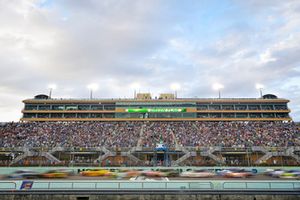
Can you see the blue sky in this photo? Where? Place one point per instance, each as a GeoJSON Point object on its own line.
{"type": "Point", "coordinates": [148, 45]}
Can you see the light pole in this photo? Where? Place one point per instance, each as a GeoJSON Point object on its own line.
{"type": "Point", "coordinates": [51, 87]}
{"type": "Point", "coordinates": [92, 87]}
{"type": "Point", "coordinates": [175, 87]}
{"type": "Point", "coordinates": [260, 87]}
{"type": "Point", "coordinates": [135, 86]}
{"type": "Point", "coordinates": [218, 87]}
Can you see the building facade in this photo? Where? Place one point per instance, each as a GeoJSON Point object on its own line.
{"type": "Point", "coordinates": [165, 108]}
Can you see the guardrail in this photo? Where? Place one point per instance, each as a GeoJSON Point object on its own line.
{"type": "Point", "coordinates": [36, 185]}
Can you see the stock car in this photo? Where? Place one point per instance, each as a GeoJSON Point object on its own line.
{"type": "Point", "coordinates": [127, 173]}
{"type": "Point", "coordinates": [235, 173]}
{"type": "Point", "coordinates": [97, 172]}
{"type": "Point", "coordinates": [151, 173]}
{"type": "Point", "coordinates": [294, 174]}
{"type": "Point", "coordinates": [275, 173]}
{"type": "Point", "coordinates": [23, 174]}
{"type": "Point", "coordinates": [57, 173]}
{"type": "Point", "coordinates": [170, 172]}
{"type": "Point", "coordinates": [197, 174]}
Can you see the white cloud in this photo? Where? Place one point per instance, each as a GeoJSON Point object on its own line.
{"type": "Point", "coordinates": [152, 43]}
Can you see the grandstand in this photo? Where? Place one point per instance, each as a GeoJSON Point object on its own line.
{"type": "Point", "coordinates": [166, 107]}
{"type": "Point", "coordinates": [125, 132]}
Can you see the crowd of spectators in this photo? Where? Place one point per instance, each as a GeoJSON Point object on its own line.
{"type": "Point", "coordinates": [127, 134]}
{"type": "Point", "coordinates": [241, 134]}
{"type": "Point", "coordinates": [158, 132]}
{"type": "Point", "coordinates": [72, 134]}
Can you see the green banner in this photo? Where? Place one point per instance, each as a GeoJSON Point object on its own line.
{"type": "Point", "coordinates": [146, 110]}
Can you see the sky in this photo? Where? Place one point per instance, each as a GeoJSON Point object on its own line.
{"type": "Point", "coordinates": [148, 45]}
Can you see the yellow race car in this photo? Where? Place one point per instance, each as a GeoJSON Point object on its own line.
{"type": "Point", "coordinates": [56, 174]}
{"type": "Point", "coordinates": [97, 172]}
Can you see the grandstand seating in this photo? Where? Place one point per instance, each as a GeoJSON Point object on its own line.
{"type": "Point", "coordinates": [128, 134]}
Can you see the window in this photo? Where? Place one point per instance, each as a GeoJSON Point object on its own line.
{"type": "Point", "coordinates": [96, 115]}
{"type": "Point", "coordinates": [69, 115]}
{"type": "Point", "coordinates": [44, 107]}
{"type": "Point", "coordinates": [58, 107]}
{"type": "Point", "coordinates": [241, 115]}
{"type": "Point", "coordinates": [241, 107]}
{"type": "Point", "coordinates": [254, 107]}
{"type": "Point", "coordinates": [202, 107]}
{"type": "Point", "coordinates": [227, 107]}
{"type": "Point", "coordinates": [214, 107]}
{"type": "Point", "coordinates": [280, 107]}
{"type": "Point", "coordinates": [267, 107]}
{"type": "Point", "coordinates": [83, 107]}
{"type": "Point", "coordinates": [255, 115]}
{"type": "Point", "coordinates": [71, 107]}
{"type": "Point", "coordinates": [83, 115]}
{"type": "Point", "coordinates": [202, 115]}
{"type": "Point", "coordinates": [30, 107]}
{"type": "Point", "coordinates": [29, 115]}
{"type": "Point", "coordinates": [56, 115]}
{"type": "Point", "coordinates": [228, 115]}
{"type": "Point", "coordinates": [215, 115]}
{"type": "Point", "coordinates": [43, 115]}
{"type": "Point", "coordinates": [97, 107]}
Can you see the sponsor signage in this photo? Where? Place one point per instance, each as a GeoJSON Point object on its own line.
{"type": "Point", "coordinates": [160, 110]}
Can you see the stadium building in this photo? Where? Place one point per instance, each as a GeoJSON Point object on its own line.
{"type": "Point", "coordinates": [146, 131]}
{"type": "Point", "coordinates": [166, 107]}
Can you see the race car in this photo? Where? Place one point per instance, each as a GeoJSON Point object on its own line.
{"type": "Point", "coordinates": [290, 174]}
{"type": "Point", "coordinates": [97, 172]}
{"type": "Point", "coordinates": [23, 174]}
{"type": "Point", "coordinates": [151, 173]}
{"type": "Point", "coordinates": [197, 174]}
{"type": "Point", "coordinates": [57, 173]}
{"type": "Point", "coordinates": [235, 173]}
{"type": "Point", "coordinates": [275, 173]}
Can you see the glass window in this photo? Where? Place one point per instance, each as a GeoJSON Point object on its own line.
{"type": "Point", "coordinates": [214, 107]}
{"type": "Point", "coordinates": [282, 115]}
{"type": "Point", "coordinates": [29, 115]}
{"type": "Point", "coordinates": [255, 115]}
{"type": "Point", "coordinates": [202, 115]}
{"type": "Point", "coordinates": [30, 107]}
{"type": "Point", "coordinates": [69, 115]}
{"type": "Point", "coordinates": [97, 107]}
{"type": "Point", "coordinates": [43, 115]}
{"type": "Point", "coordinates": [253, 107]}
{"type": "Point", "coordinates": [241, 107]}
{"type": "Point", "coordinates": [228, 115]}
{"type": "Point", "coordinates": [44, 107]}
{"type": "Point", "coordinates": [268, 115]}
{"type": "Point", "coordinates": [215, 115]}
{"type": "Point", "coordinates": [109, 107]}
{"type": "Point", "coordinates": [83, 115]}
{"type": "Point", "coordinates": [227, 107]}
{"type": "Point", "coordinates": [96, 115]}
{"type": "Point", "coordinates": [58, 107]}
{"type": "Point", "coordinates": [202, 107]}
{"type": "Point", "coordinates": [266, 107]}
{"type": "Point", "coordinates": [108, 115]}
{"type": "Point", "coordinates": [280, 107]}
{"type": "Point", "coordinates": [71, 107]}
{"type": "Point", "coordinates": [56, 115]}
{"type": "Point", "coordinates": [83, 107]}
{"type": "Point", "coordinates": [241, 115]}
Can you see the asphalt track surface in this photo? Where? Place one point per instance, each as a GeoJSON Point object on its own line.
{"type": "Point", "coordinates": [143, 178]}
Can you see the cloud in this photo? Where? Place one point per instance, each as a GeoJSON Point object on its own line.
{"type": "Point", "coordinates": [154, 43]}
